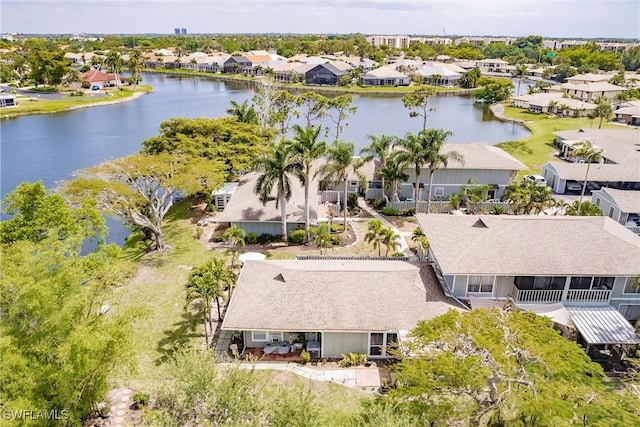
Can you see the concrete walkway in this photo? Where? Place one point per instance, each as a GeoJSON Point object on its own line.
{"type": "Point", "coordinates": [404, 235]}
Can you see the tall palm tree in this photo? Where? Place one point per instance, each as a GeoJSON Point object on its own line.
{"type": "Point", "coordinates": [436, 158]}
{"type": "Point", "coordinates": [391, 174]}
{"type": "Point", "coordinates": [390, 240]}
{"type": "Point", "coordinates": [114, 62]}
{"type": "Point", "coordinates": [603, 110]}
{"type": "Point", "coordinates": [244, 112]}
{"type": "Point", "coordinates": [520, 72]}
{"type": "Point", "coordinates": [412, 152]}
{"type": "Point", "coordinates": [135, 66]}
{"type": "Point", "coordinates": [278, 165]}
{"type": "Point", "coordinates": [340, 162]}
{"type": "Point", "coordinates": [375, 234]}
{"type": "Point", "coordinates": [207, 283]}
{"type": "Point", "coordinates": [235, 236]}
{"type": "Point", "coordinates": [591, 154]}
{"type": "Point", "coordinates": [380, 147]}
{"type": "Point", "coordinates": [307, 148]}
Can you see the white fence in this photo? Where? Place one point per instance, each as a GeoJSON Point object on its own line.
{"type": "Point", "coordinates": [635, 229]}
{"type": "Point", "coordinates": [588, 296]}
{"type": "Point", "coordinates": [445, 206]}
{"type": "Point", "coordinates": [538, 296]}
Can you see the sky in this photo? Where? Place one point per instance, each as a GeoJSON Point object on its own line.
{"type": "Point", "coordinates": [548, 18]}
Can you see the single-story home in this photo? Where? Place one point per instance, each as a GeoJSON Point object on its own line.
{"type": "Point", "coordinates": [553, 103]}
{"type": "Point", "coordinates": [620, 145]}
{"type": "Point", "coordinates": [324, 74]}
{"type": "Point", "coordinates": [629, 115]}
{"type": "Point", "coordinates": [439, 75]}
{"type": "Point", "coordinates": [97, 77]}
{"type": "Point", "coordinates": [384, 76]}
{"type": "Point", "coordinates": [577, 261]}
{"type": "Point", "coordinates": [291, 72]}
{"type": "Point", "coordinates": [608, 174]}
{"type": "Point", "coordinates": [245, 210]}
{"type": "Point", "coordinates": [338, 306]}
{"type": "Point", "coordinates": [591, 91]}
{"type": "Point", "coordinates": [622, 206]}
{"type": "Point", "coordinates": [484, 163]}
{"type": "Point", "coordinates": [585, 78]}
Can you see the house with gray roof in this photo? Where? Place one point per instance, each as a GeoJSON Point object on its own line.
{"type": "Point", "coordinates": [576, 261]}
{"type": "Point", "coordinates": [324, 74]}
{"type": "Point", "coordinates": [484, 163]}
{"type": "Point", "coordinates": [591, 91]}
{"type": "Point", "coordinates": [237, 65]}
{"type": "Point", "coordinates": [384, 76]}
{"type": "Point", "coordinates": [245, 210]}
{"type": "Point", "coordinates": [338, 306]}
{"type": "Point", "coordinates": [622, 206]}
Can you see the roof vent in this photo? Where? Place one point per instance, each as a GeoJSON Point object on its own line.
{"type": "Point", "coordinates": [280, 278]}
{"type": "Point", "coordinates": [479, 224]}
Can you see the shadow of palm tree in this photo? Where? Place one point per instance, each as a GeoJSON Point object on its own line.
{"type": "Point", "coordinates": [180, 334]}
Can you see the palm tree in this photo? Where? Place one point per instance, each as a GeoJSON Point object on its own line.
{"type": "Point", "coordinates": [552, 106]}
{"type": "Point", "coordinates": [391, 174]}
{"type": "Point", "coordinates": [277, 166]}
{"type": "Point", "coordinates": [591, 154]}
{"type": "Point", "coordinates": [244, 112]}
{"type": "Point", "coordinates": [520, 72]}
{"type": "Point", "coordinates": [436, 158]}
{"type": "Point", "coordinates": [206, 283]}
{"type": "Point", "coordinates": [380, 147]}
{"type": "Point", "coordinates": [340, 162]}
{"type": "Point", "coordinates": [375, 234]}
{"type": "Point", "coordinates": [529, 197]}
{"type": "Point", "coordinates": [235, 236]}
{"type": "Point", "coordinates": [114, 62]}
{"type": "Point", "coordinates": [322, 237]}
{"type": "Point", "coordinates": [135, 66]}
{"type": "Point", "coordinates": [413, 152]}
{"type": "Point", "coordinates": [603, 110]}
{"type": "Point", "coordinates": [307, 148]}
{"type": "Point", "coordinates": [390, 240]}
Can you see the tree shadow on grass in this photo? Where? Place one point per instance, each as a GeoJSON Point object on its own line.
{"type": "Point", "coordinates": [180, 334]}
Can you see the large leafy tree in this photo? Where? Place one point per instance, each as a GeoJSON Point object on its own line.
{"type": "Point", "coordinates": [341, 162]}
{"type": "Point", "coordinates": [313, 108]}
{"type": "Point", "coordinates": [142, 188]}
{"type": "Point", "coordinates": [418, 103]}
{"type": "Point", "coordinates": [277, 168]}
{"type": "Point", "coordinates": [208, 283]}
{"type": "Point", "coordinates": [469, 80]}
{"type": "Point", "coordinates": [493, 367]}
{"type": "Point", "coordinates": [590, 154]}
{"type": "Point", "coordinates": [493, 90]}
{"type": "Point", "coordinates": [307, 148]}
{"type": "Point", "coordinates": [339, 110]}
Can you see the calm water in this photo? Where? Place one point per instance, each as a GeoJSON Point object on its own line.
{"type": "Point", "coordinates": [51, 147]}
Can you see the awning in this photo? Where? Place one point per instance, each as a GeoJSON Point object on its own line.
{"type": "Point", "coordinates": [603, 325]}
{"type": "Point", "coordinates": [252, 256]}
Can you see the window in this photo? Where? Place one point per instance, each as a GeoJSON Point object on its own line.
{"type": "Point", "coordinates": [603, 283]}
{"type": "Point", "coordinates": [259, 336]}
{"type": "Point", "coordinates": [584, 282]}
{"type": "Point", "coordinates": [482, 284]}
{"type": "Point", "coordinates": [631, 286]}
{"type": "Point", "coordinates": [266, 336]}
{"type": "Point", "coordinates": [381, 344]}
{"type": "Point", "coordinates": [611, 211]}
{"type": "Point", "coordinates": [580, 282]}
{"type": "Point", "coordinates": [438, 191]}
{"type": "Point", "coordinates": [540, 282]}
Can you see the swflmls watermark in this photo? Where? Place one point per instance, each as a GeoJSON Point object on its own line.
{"type": "Point", "coordinates": [33, 415]}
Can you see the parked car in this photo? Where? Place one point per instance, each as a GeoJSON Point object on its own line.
{"type": "Point", "coordinates": [95, 87]}
{"type": "Point", "coordinates": [538, 179]}
{"type": "Point", "coordinates": [574, 186]}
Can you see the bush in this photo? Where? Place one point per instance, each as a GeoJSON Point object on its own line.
{"type": "Point", "coordinates": [140, 400]}
{"type": "Point", "coordinates": [397, 254]}
{"type": "Point", "coordinates": [251, 238]}
{"type": "Point", "coordinates": [409, 212]}
{"type": "Point", "coordinates": [336, 240]}
{"type": "Point", "coordinates": [337, 228]}
{"type": "Point", "coordinates": [353, 359]}
{"type": "Point", "coordinates": [352, 200]}
{"type": "Point", "coordinates": [264, 238]}
{"type": "Point", "coordinates": [379, 204]}
{"type": "Point", "coordinates": [389, 212]}
{"type": "Point", "coordinates": [297, 237]}
{"type": "Point", "coordinates": [305, 356]}
{"type": "Point", "coordinates": [498, 210]}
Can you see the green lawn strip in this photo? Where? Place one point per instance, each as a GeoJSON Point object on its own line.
{"type": "Point", "coordinates": [541, 139]}
{"type": "Point", "coordinates": [159, 288]}
{"type": "Point", "coordinates": [27, 106]}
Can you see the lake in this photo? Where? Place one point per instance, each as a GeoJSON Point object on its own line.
{"type": "Point", "coordinates": [51, 147]}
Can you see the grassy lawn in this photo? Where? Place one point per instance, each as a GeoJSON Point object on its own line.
{"type": "Point", "coordinates": [158, 288]}
{"type": "Point", "coordinates": [541, 140]}
{"type": "Point", "coordinates": [28, 106]}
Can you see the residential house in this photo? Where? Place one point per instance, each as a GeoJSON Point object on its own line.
{"type": "Point", "coordinates": [363, 64]}
{"type": "Point", "coordinates": [337, 306]}
{"type": "Point", "coordinates": [291, 72]}
{"type": "Point", "coordinates": [221, 197]}
{"type": "Point", "coordinates": [96, 77]}
{"type": "Point", "coordinates": [535, 260]}
{"type": "Point", "coordinates": [384, 76]}
{"type": "Point", "coordinates": [7, 100]}
{"type": "Point", "coordinates": [553, 103]}
{"type": "Point", "coordinates": [245, 210]}
{"type": "Point", "coordinates": [495, 66]}
{"type": "Point", "coordinates": [237, 65]}
{"type": "Point", "coordinates": [621, 168]}
{"type": "Point", "coordinates": [586, 78]}
{"type": "Point", "coordinates": [324, 74]}
{"type": "Point", "coordinates": [590, 92]}
{"type": "Point", "coordinates": [629, 114]}
{"type": "Point", "coordinates": [622, 206]}
{"type": "Point", "coordinates": [440, 75]}
{"type": "Point", "coordinates": [484, 163]}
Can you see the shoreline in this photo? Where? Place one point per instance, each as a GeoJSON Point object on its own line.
{"type": "Point", "coordinates": [497, 110]}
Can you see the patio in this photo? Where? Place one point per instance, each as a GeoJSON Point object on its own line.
{"type": "Point", "coordinates": [257, 353]}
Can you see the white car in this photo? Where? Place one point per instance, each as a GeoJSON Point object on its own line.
{"type": "Point", "coordinates": [538, 179]}
{"type": "Point", "coordinates": [574, 186]}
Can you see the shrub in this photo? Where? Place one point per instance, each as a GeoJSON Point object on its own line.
{"type": "Point", "coordinates": [409, 212]}
{"type": "Point", "coordinates": [353, 359]}
{"type": "Point", "coordinates": [336, 240]}
{"type": "Point", "coordinates": [265, 238]}
{"type": "Point", "coordinates": [251, 238]}
{"type": "Point", "coordinates": [379, 204]}
{"type": "Point", "coordinates": [297, 237]}
{"type": "Point", "coordinates": [397, 254]}
{"type": "Point", "coordinates": [305, 356]}
{"type": "Point", "coordinates": [498, 210]}
{"type": "Point", "coordinates": [389, 212]}
{"type": "Point", "coordinates": [140, 400]}
{"type": "Point", "coordinates": [198, 233]}
{"type": "Point", "coordinates": [352, 200]}
{"type": "Point", "coordinates": [337, 228]}
{"type": "Point", "coordinates": [211, 208]}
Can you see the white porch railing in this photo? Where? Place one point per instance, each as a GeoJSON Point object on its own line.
{"type": "Point", "coordinates": [374, 193]}
{"type": "Point", "coordinates": [635, 229]}
{"type": "Point", "coordinates": [444, 206]}
{"type": "Point", "coordinates": [588, 296]}
{"type": "Point", "coordinates": [531, 296]}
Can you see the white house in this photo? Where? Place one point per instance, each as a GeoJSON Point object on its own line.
{"type": "Point", "coordinates": [384, 76]}
{"type": "Point", "coordinates": [622, 206]}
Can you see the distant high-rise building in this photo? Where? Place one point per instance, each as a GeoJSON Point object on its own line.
{"type": "Point", "coordinates": [184, 31]}
{"type": "Point", "coordinates": [176, 31]}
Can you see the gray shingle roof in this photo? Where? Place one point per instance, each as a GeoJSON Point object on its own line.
{"type": "Point", "coordinates": [334, 295]}
{"type": "Point", "coordinates": [482, 156]}
{"type": "Point", "coordinates": [608, 172]}
{"type": "Point", "coordinates": [531, 245]}
{"type": "Point", "coordinates": [620, 145]}
{"type": "Point", "coordinates": [627, 200]}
